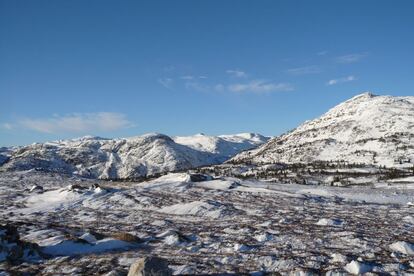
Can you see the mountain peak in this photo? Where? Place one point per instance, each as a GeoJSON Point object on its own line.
{"type": "Point", "coordinates": [360, 130]}
{"type": "Point", "coordinates": [364, 95]}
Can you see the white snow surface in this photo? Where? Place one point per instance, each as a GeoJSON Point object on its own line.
{"type": "Point", "coordinates": [69, 248]}
{"type": "Point", "coordinates": [368, 129]}
{"type": "Point", "coordinates": [403, 247]}
{"type": "Point", "coordinates": [196, 208]}
{"type": "Point", "coordinates": [330, 222]}
{"type": "Point", "coordinates": [357, 268]}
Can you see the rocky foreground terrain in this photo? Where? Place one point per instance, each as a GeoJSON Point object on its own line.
{"type": "Point", "coordinates": [205, 225]}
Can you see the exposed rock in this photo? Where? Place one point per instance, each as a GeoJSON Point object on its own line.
{"type": "Point", "coordinates": [149, 266]}
{"type": "Point", "coordinates": [12, 249]}
{"type": "Point", "coordinates": [197, 177]}
{"type": "Point", "coordinates": [36, 188]}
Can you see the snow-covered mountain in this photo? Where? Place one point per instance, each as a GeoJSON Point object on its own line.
{"type": "Point", "coordinates": [133, 157]}
{"type": "Point", "coordinates": [368, 129]}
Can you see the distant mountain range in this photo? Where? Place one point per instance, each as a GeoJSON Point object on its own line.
{"type": "Point", "coordinates": [366, 129]}
{"type": "Point", "coordinates": [128, 158]}
{"type": "Point", "coordinates": [369, 129]}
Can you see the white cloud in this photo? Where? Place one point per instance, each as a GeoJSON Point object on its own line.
{"type": "Point", "coordinates": [190, 77]}
{"type": "Point", "coordinates": [166, 82]}
{"type": "Point", "coordinates": [254, 86]}
{"type": "Point", "coordinates": [6, 126]}
{"type": "Point", "coordinates": [313, 69]}
{"type": "Point", "coordinates": [236, 73]}
{"type": "Point", "coordinates": [322, 53]}
{"type": "Point", "coordinates": [352, 58]}
{"type": "Point", "coordinates": [187, 77]}
{"type": "Point", "coordinates": [341, 80]}
{"type": "Point", "coordinates": [219, 87]}
{"type": "Point", "coordinates": [194, 85]}
{"type": "Point", "coordinates": [259, 86]}
{"type": "Point", "coordinates": [78, 123]}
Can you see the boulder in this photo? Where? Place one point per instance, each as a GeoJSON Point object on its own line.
{"type": "Point", "coordinates": [149, 266]}
{"type": "Point", "coordinates": [36, 188]}
{"type": "Point", "coordinates": [12, 249]}
{"type": "Point", "coordinates": [198, 177]}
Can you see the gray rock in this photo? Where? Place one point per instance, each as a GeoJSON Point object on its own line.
{"type": "Point", "coordinates": [149, 266]}
{"type": "Point", "coordinates": [14, 250]}
{"type": "Point", "coordinates": [198, 177]}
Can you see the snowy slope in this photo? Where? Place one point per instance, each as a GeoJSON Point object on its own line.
{"type": "Point", "coordinates": [366, 129]}
{"type": "Point", "coordinates": [133, 157]}
{"type": "Point", "coordinates": [224, 145]}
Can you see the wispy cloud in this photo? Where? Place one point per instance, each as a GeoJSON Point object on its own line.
{"type": "Point", "coordinates": [254, 86]}
{"type": "Point", "coordinates": [166, 82]}
{"type": "Point", "coordinates": [243, 84]}
{"type": "Point", "coordinates": [322, 53]}
{"type": "Point", "coordinates": [78, 123]}
{"type": "Point", "coordinates": [260, 86]}
{"type": "Point", "coordinates": [196, 86]}
{"type": "Point", "coordinates": [313, 69]}
{"type": "Point", "coordinates": [236, 73]}
{"type": "Point", "coordinates": [351, 58]}
{"type": "Point", "coordinates": [6, 126]}
{"type": "Point", "coordinates": [341, 80]}
{"type": "Point", "coordinates": [188, 77]}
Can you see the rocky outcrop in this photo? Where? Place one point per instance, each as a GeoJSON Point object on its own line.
{"type": "Point", "coordinates": [150, 266]}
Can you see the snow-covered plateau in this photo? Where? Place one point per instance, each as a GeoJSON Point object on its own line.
{"type": "Point", "coordinates": [205, 225]}
{"type": "Point", "coordinates": [334, 196]}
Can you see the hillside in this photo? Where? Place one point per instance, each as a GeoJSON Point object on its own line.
{"type": "Point", "coordinates": [369, 129]}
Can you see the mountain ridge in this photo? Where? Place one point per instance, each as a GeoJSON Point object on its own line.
{"type": "Point", "coordinates": [367, 128]}
{"type": "Point", "coordinates": [126, 158]}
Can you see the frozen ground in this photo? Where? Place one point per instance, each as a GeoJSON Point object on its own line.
{"type": "Point", "coordinates": [221, 225]}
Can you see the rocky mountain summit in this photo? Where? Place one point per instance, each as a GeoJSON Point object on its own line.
{"type": "Point", "coordinates": [366, 129]}
{"type": "Point", "coordinates": [127, 158]}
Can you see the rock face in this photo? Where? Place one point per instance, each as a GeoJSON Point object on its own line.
{"type": "Point", "coordinates": [369, 129]}
{"type": "Point", "coordinates": [128, 158]}
{"type": "Point", "coordinates": [149, 266]}
{"type": "Point", "coordinates": [12, 249]}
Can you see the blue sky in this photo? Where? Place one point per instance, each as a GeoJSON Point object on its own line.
{"type": "Point", "coordinates": [124, 68]}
